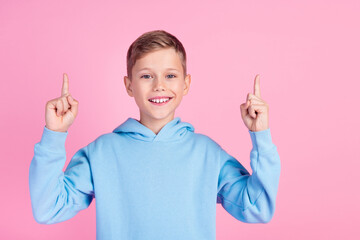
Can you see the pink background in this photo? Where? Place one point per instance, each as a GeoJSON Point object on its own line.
{"type": "Point", "coordinates": [307, 55]}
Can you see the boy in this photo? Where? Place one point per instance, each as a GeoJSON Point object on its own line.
{"type": "Point", "coordinates": [153, 178]}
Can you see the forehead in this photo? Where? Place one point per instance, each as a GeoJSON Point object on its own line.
{"type": "Point", "coordinates": [160, 59]}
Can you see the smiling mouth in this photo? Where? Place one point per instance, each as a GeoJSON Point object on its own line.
{"type": "Point", "coordinates": [160, 102]}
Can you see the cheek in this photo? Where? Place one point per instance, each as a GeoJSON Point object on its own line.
{"type": "Point", "coordinates": [178, 86]}
{"type": "Point", "coordinates": [139, 89]}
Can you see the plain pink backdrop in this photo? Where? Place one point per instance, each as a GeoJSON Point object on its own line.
{"type": "Point", "coordinates": [307, 55]}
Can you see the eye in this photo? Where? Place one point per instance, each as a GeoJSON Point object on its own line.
{"type": "Point", "coordinates": [172, 75]}
{"type": "Point", "coordinates": [145, 76]}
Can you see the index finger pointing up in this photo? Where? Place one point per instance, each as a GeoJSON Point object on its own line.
{"type": "Point", "coordinates": [65, 86]}
{"type": "Point", "coordinates": [257, 86]}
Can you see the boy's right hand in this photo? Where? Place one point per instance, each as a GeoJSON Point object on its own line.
{"type": "Point", "coordinates": [61, 112]}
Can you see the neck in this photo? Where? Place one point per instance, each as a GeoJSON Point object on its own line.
{"type": "Point", "coordinates": [154, 124]}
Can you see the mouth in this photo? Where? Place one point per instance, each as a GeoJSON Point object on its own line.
{"type": "Point", "coordinates": [160, 101]}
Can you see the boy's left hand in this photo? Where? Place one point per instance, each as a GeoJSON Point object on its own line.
{"type": "Point", "coordinates": [255, 111]}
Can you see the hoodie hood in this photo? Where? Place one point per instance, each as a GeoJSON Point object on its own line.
{"type": "Point", "coordinates": [172, 131]}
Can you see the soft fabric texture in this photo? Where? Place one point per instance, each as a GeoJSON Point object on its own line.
{"type": "Point", "coordinates": [149, 186]}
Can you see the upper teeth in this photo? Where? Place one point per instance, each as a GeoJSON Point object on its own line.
{"type": "Point", "coordinates": [160, 100]}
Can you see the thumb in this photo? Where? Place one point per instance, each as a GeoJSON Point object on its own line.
{"type": "Point", "coordinates": [244, 107]}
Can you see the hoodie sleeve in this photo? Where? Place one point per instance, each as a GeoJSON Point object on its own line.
{"type": "Point", "coordinates": [55, 195]}
{"type": "Point", "coordinates": [250, 198]}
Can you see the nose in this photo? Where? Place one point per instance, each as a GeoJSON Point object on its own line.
{"type": "Point", "coordinates": [159, 84]}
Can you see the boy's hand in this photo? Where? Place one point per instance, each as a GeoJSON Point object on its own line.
{"type": "Point", "coordinates": [61, 112]}
{"type": "Point", "coordinates": [255, 111]}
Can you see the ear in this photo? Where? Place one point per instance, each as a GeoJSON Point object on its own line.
{"type": "Point", "coordinates": [127, 83]}
{"type": "Point", "coordinates": [187, 84]}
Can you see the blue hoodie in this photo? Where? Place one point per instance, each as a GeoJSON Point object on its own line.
{"type": "Point", "coordinates": [149, 186]}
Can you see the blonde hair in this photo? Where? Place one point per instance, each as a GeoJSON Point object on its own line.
{"type": "Point", "coordinates": [151, 41]}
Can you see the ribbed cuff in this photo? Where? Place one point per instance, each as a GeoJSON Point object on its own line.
{"type": "Point", "coordinates": [53, 140]}
{"type": "Point", "coordinates": [261, 140]}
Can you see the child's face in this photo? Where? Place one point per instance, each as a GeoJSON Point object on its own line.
{"type": "Point", "coordinates": [159, 73]}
